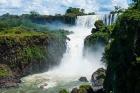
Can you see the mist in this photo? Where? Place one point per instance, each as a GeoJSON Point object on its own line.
{"type": "Point", "coordinates": [73, 64]}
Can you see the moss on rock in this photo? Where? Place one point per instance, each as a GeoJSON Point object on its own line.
{"type": "Point", "coordinates": [5, 71]}
{"type": "Point", "coordinates": [25, 51]}
{"type": "Point", "coordinates": [63, 91]}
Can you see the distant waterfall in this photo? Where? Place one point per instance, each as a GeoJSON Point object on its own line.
{"type": "Point", "coordinates": [109, 19]}
{"type": "Point", "coordinates": [87, 21]}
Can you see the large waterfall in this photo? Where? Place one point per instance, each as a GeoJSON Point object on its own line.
{"type": "Point", "coordinates": [73, 64]}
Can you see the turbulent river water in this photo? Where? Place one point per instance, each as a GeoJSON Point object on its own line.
{"type": "Point", "coordinates": [73, 64]}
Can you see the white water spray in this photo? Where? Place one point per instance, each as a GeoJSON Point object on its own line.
{"type": "Point", "coordinates": [73, 64]}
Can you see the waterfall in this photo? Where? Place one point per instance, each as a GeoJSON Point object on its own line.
{"type": "Point", "coordinates": [73, 64]}
{"type": "Point", "coordinates": [109, 19]}
{"type": "Point", "coordinates": [86, 21]}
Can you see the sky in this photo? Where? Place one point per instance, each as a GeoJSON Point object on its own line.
{"type": "Point", "coordinates": [50, 7]}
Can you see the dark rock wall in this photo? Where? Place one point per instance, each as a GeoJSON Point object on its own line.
{"type": "Point", "coordinates": [122, 55]}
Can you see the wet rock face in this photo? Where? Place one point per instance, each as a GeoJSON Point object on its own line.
{"type": "Point", "coordinates": [31, 53]}
{"type": "Point", "coordinates": [98, 77]}
{"type": "Point", "coordinates": [86, 89]}
{"type": "Point", "coordinates": [97, 81]}
{"type": "Point", "coordinates": [94, 30]}
{"type": "Point", "coordinates": [83, 89]}
{"type": "Point", "coordinates": [9, 82]}
{"type": "Point", "coordinates": [83, 79]}
{"type": "Point", "coordinates": [74, 90]}
{"type": "Point", "coordinates": [122, 56]}
{"type": "Point", "coordinates": [7, 78]}
{"type": "Point", "coordinates": [43, 86]}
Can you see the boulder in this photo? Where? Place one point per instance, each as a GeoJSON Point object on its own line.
{"type": "Point", "coordinates": [83, 79]}
{"type": "Point", "coordinates": [87, 89]}
{"type": "Point", "coordinates": [83, 89]}
{"type": "Point", "coordinates": [63, 91]}
{"type": "Point", "coordinates": [98, 77]}
{"type": "Point", "coordinates": [75, 90]}
{"type": "Point", "coordinates": [94, 30]}
{"type": "Point", "coordinates": [43, 86]}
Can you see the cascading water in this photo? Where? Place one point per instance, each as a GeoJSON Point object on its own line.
{"type": "Point", "coordinates": [73, 64]}
{"type": "Point", "coordinates": [108, 18]}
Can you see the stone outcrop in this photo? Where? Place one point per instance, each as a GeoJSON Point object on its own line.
{"type": "Point", "coordinates": [99, 37]}
{"type": "Point", "coordinates": [86, 89]}
{"type": "Point", "coordinates": [83, 79]}
{"type": "Point", "coordinates": [83, 89]}
{"type": "Point", "coordinates": [98, 77]}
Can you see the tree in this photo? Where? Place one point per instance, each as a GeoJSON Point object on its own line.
{"type": "Point", "coordinates": [137, 4]}
{"type": "Point", "coordinates": [34, 14]}
{"type": "Point", "coordinates": [74, 11]}
{"type": "Point", "coordinates": [99, 24]}
{"type": "Point", "coordinates": [6, 15]}
{"type": "Point", "coordinates": [117, 9]}
{"type": "Point", "coordinates": [83, 11]}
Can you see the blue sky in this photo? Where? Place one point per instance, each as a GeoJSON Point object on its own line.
{"type": "Point", "coordinates": [58, 6]}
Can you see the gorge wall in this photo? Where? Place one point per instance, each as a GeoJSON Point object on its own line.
{"type": "Point", "coordinates": [121, 54]}
{"type": "Point", "coordinates": [23, 54]}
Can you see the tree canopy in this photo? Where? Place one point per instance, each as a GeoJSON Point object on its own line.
{"type": "Point", "coordinates": [74, 11]}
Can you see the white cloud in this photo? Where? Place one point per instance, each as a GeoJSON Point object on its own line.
{"type": "Point", "coordinates": [10, 3]}
{"type": "Point", "coordinates": [15, 3]}
{"type": "Point", "coordinates": [122, 3]}
{"type": "Point", "coordinates": [57, 6]}
{"type": "Point", "coordinates": [3, 1]}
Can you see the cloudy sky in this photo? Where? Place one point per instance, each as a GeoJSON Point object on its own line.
{"type": "Point", "coordinates": [57, 6]}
